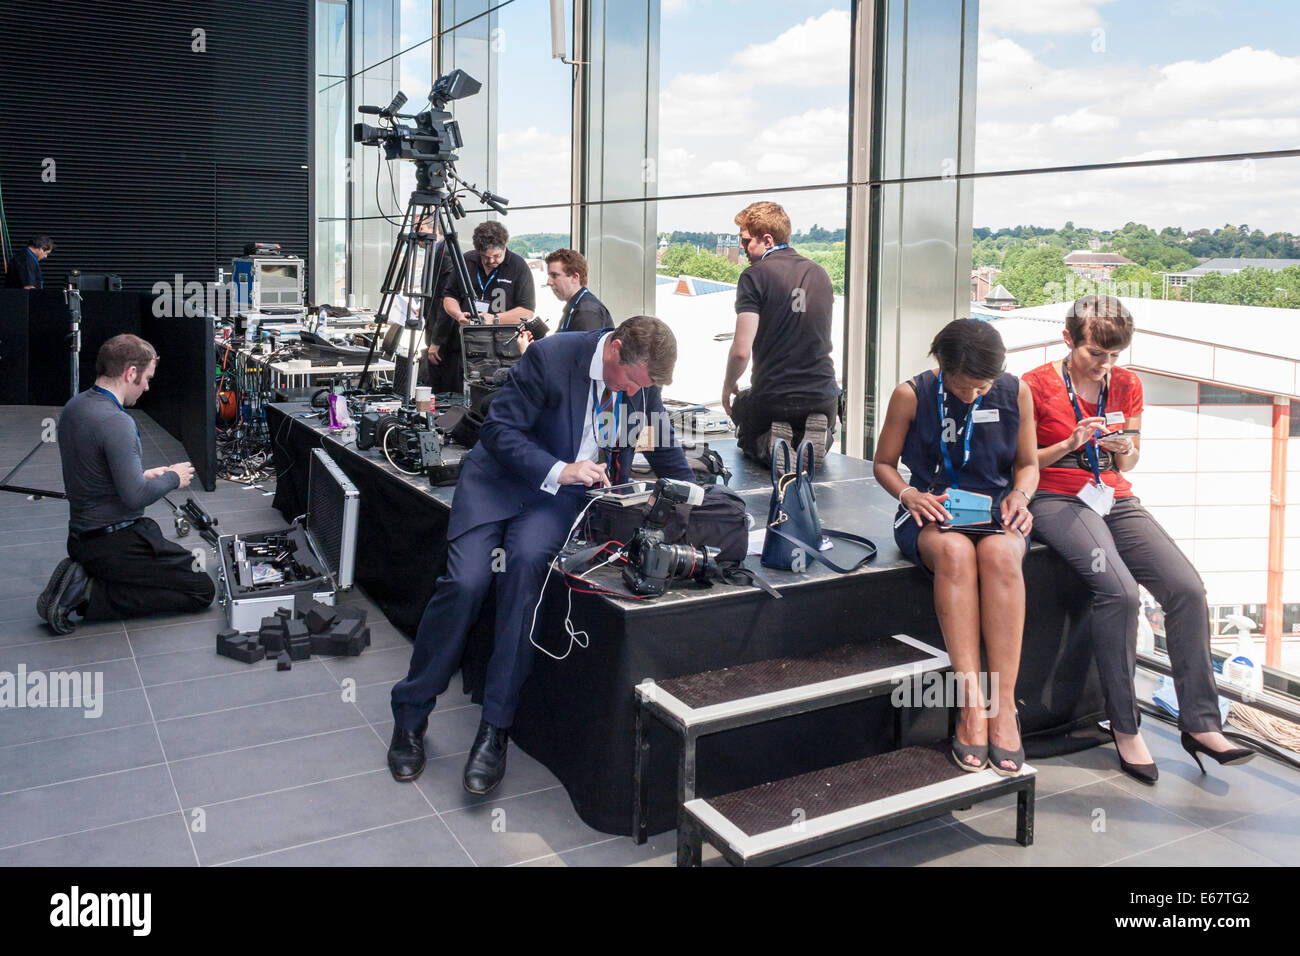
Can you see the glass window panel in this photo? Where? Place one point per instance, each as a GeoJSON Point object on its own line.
{"type": "Point", "coordinates": [754, 99]}
{"type": "Point", "coordinates": [1063, 82]}
{"type": "Point", "coordinates": [1214, 458]}
{"type": "Point", "coordinates": [697, 238]}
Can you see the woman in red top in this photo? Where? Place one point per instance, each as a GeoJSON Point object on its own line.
{"type": "Point", "coordinates": [1088, 413]}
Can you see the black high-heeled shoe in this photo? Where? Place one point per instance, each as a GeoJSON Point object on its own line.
{"type": "Point", "coordinates": [1141, 772]}
{"type": "Point", "coordinates": [1237, 755]}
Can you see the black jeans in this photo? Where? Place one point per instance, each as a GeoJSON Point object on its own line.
{"type": "Point", "coordinates": [754, 417]}
{"type": "Point", "coordinates": [1113, 555]}
{"type": "Point", "coordinates": [136, 571]}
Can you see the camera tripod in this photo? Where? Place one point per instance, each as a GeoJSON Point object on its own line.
{"type": "Point", "coordinates": [432, 202]}
{"type": "Point", "coordinates": [72, 296]}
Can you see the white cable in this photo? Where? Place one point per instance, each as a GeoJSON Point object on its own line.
{"type": "Point", "coordinates": [568, 624]}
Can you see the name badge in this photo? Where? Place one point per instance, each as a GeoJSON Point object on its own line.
{"type": "Point", "coordinates": [984, 415]}
{"type": "Point", "coordinates": [1100, 498]}
{"type": "Point", "coordinates": [481, 306]}
{"type": "Point", "coordinates": [1115, 418]}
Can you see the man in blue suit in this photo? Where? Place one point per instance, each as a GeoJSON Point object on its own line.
{"type": "Point", "coordinates": [567, 419]}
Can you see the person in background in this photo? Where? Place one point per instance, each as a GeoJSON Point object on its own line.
{"type": "Point", "coordinates": [783, 319]}
{"type": "Point", "coordinates": [119, 565]}
{"type": "Point", "coordinates": [1089, 413]}
{"type": "Point", "coordinates": [25, 269]}
{"type": "Point", "coordinates": [968, 425]}
{"type": "Point", "coordinates": [566, 276]}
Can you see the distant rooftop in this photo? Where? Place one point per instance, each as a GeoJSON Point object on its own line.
{"type": "Point", "coordinates": [1083, 257]}
{"type": "Point", "coordinates": [1000, 294]}
{"type": "Point", "coordinates": [1236, 265]}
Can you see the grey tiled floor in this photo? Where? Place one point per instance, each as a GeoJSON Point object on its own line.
{"type": "Point", "coordinates": [201, 760]}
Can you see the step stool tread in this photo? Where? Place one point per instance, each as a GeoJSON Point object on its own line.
{"type": "Point", "coordinates": [785, 673]}
{"type": "Point", "coordinates": [776, 805]}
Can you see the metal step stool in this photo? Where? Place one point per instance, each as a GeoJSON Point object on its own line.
{"type": "Point", "coordinates": [696, 705]}
{"type": "Point", "coordinates": [790, 818]}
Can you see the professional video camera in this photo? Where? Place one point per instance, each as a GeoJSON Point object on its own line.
{"type": "Point", "coordinates": [652, 564]}
{"type": "Point", "coordinates": [405, 437]}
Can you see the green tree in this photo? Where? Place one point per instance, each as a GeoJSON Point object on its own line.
{"type": "Point", "coordinates": [675, 258]}
{"type": "Point", "coordinates": [832, 260]}
{"type": "Point", "coordinates": [710, 265]}
{"type": "Point", "coordinates": [1035, 275]}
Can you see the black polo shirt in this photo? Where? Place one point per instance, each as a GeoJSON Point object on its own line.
{"type": "Point", "coordinates": [24, 270]}
{"type": "Point", "coordinates": [584, 313]}
{"type": "Point", "coordinates": [793, 297]}
{"type": "Point", "coordinates": [507, 287]}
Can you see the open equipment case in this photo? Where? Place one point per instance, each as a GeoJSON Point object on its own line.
{"type": "Point", "coordinates": [264, 570]}
{"type": "Point", "coordinates": [487, 351]}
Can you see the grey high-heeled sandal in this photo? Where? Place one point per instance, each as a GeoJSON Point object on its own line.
{"type": "Point", "coordinates": [1017, 757]}
{"type": "Point", "coordinates": [961, 751]}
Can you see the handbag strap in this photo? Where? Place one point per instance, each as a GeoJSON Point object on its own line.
{"type": "Point", "coordinates": [806, 449]}
{"type": "Point", "coordinates": [816, 552]}
{"type": "Point", "coordinates": [780, 450]}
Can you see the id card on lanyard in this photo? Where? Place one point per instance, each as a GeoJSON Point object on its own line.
{"type": "Point", "coordinates": [482, 305]}
{"type": "Point", "coordinates": [605, 429]}
{"type": "Point", "coordinates": [1096, 494]}
{"type": "Point", "coordinates": [568, 316]}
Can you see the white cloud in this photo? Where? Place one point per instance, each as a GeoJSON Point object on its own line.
{"type": "Point", "coordinates": [812, 53]}
{"type": "Point", "coordinates": [1031, 113]}
{"type": "Point", "coordinates": [1041, 16]}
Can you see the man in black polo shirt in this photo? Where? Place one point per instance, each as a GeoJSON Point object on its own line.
{"type": "Point", "coordinates": [119, 565]}
{"type": "Point", "coordinates": [566, 276]}
{"type": "Point", "coordinates": [501, 285]}
{"type": "Point", "coordinates": [25, 269]}
{"type": "Point", "coordinates": [783, 317]}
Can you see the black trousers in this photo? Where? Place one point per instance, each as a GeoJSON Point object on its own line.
{"type": "Point", "coordinates": [136, 571]}
{"type": "Point", "coordinates": [1113, 555]}
{"type": "Point", "coordinates": [754, 417]}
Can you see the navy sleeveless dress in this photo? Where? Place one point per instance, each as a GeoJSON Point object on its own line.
{"type": "Point", "coordinates": [993, 449]}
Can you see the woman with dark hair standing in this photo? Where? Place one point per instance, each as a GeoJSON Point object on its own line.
{"type": "Point", "coordinates": [965, 430]}
{"type": "Point", "coordinates": [1085, 510]}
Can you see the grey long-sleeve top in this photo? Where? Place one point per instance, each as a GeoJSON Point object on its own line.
{"type": "Point", "coordinates": [99, 445]}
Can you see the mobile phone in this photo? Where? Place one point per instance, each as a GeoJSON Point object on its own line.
{"type": "Point", "coordinates": [1123, 432]}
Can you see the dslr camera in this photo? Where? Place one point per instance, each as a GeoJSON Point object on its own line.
{"type": "Point", "coordinates": [652, 564]}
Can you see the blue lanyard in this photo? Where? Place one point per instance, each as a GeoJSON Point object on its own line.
{"type": "Point", "coordinates": [483, 284]}
{"type": "Point", "coordinates": [568, 316]}
{"type": "Point", "coordinates": [104, 391]}
{"type": "Point", "coordinates": [784, 245]}
{"type": "Point", "coordinates": [953, 474]}
{"type": "Point", "coordinates": [1090, 449]}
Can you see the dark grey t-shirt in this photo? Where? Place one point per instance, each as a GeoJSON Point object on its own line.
{"type": "Point", "coordinates": [793, 297]}
{"type": "Point", "coordinates": [99, 445]}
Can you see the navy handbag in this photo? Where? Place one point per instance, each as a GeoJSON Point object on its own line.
{"type": "Point", "coordinates": [794, 530]}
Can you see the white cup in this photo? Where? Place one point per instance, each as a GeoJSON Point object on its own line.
{"type": "Point", "coordinates": [423, 397]}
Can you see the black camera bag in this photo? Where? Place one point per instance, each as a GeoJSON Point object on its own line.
{"type": "Point", "coordinates": [717, 522]}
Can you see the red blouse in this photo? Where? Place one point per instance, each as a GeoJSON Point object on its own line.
{"type": "Point", "coordinates": [1055, 420]}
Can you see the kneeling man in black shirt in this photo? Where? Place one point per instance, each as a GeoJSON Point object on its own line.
{"type": "Point", "coordinates": [783, 318]}
{"type": "Point", "coordinates": [119, 565]}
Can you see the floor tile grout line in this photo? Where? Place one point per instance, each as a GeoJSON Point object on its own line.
{"type": "Point", "coordinates": [189, 834]}
{"type": "Point", "coordinates": [106, 826]}
{"type": "Point", "coordinates": [1158, 846]}
{"type": "Point", "coordinates": [1037, 800]}
{"type": "Point", "coordinates": [267, 743]}
{"type": "Point", "coordinates": [513, 796]}
{"type": "Point", "coordinates": [328, 839]}
{"type": "Point", "coordinates": [89, 776]}
{"type": "Point", "coordinates": [425, 796]}
{"type": "Point", "coordinates": [85, 733]}
{"type": "Point", "coordinates": [270, 793]}
{"type": "Point", "coordinates": [559, 854]}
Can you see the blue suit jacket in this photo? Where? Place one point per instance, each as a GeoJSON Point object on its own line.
{"type": "Point", "coordinates": [536, 419]}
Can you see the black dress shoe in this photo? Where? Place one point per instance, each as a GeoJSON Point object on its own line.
{"type": "Point", "coordinates": [72, 592]}
{"type": "Point", "coordinates": [406, 752]}
{"type": "Point", "coordinates": [51, 589]}
{"type": "Point", "coordinates": [487, 759]}
{"type": "Point", "coordinates": [1233, 755]}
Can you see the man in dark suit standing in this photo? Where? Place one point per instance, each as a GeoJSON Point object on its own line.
{"type": "Point", "coordinates": [566, 275]}
{"type": "Point", "coordinates": [567, 419]}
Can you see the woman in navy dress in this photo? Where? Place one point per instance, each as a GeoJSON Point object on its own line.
{"type": "Point", "coordinates": [969, 426]}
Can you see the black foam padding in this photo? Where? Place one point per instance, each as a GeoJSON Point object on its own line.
{"type": "Point", "coordinates": [771, 806]}
{"type": "Point", "coordinates": [348, 629]}
{"type": "Point", "coordinates": [300, 649]}
{"type": "Point", "coordinates": [295, 630]}
{"type": "Point", "coordinates": [320, 619]}
{"type": "Point", "coordinates": [283, 662]}
{"type": "Point", "coordinates": [285, 613]}
{"type": "Point", "coordinates": [784, 673]}
{"type": "Point", "coordinates": [351, 612]}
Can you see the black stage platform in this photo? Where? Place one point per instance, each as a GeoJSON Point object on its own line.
{"type": "Point", "coordinates": [576, 715]}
